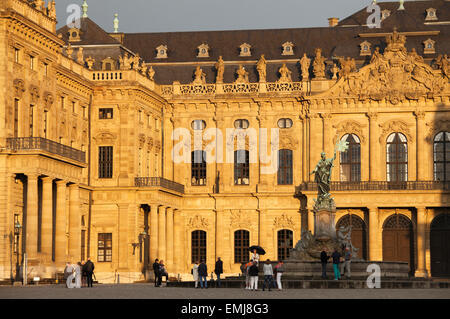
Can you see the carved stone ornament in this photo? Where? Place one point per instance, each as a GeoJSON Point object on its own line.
{"type": "Point", "coordinates": [442, 125]}
{"type": "Point", "coordinates": [395, 75]}
{"type": "Point", "coordinates": [48, 100]}
{"type": "Point", "coordinates": [288, 142]}
{"type": "Point", "coordinates": [240, 219]}
{"type": "Point", "coordinates": [19, 87]}
{"type": "Point", "coordinates": [349, 127]}
{"type": "Point", "coordinates": [141, 140]}
{"type": "Point", "coordinates": [34, 94]}
{"type": "Point", "coordinates": [150, 143]}
{"type": "Point", "coordinates": [105, 138]}
{"type": "Point", "coordinates": [197, 222]}
{"type": "Point", "coordinates": [283, 221]}
{"type": "Point", "coordinates": [395, 126]}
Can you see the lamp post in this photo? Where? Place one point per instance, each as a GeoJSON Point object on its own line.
{"type": "Point", "coordinates": [17, 229]}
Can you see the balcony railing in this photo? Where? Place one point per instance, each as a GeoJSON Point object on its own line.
{"type": "Point", "coordinates": [40, 143]}
{"type": "Point", "coordinates": [158, 181]}
{"type": "Point", "coordinates": [378, 186]}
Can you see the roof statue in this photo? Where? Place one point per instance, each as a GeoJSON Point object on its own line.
{"type": "Point", "coordinates": [261, 68]}
{"type": "Point", "coordinates": [242, 75]}
{"type": "Point", "coordinates": [285, 74]}
{"type": "Point", "coordinates": [319, 65]}
{"type": "Point", "coordinates": [151, 73]}
{"type": "Point", "coordinates": [116, 23]}
{"type": "Point", "coordinates": [305, 62]}
{"type": "Point", "coordinates": [348, 66]}
{"type": "Point", "coordinates": [80, 56]}
{"type": "Point", "coordinates": [220, 67]}
{"type": "Point", "coordinates": [84, 7]}
{"type": "Point", "coordinates": [199, 76]}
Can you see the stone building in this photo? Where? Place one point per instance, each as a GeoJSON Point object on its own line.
{"type": "Point", "coordinates": [117, 146]}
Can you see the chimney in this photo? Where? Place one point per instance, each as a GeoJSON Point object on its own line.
{"type": "Point", "coordinates": [332, 22]}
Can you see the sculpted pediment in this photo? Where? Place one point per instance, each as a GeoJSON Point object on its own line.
{"type": "Point", "coordinates": [395, 75]}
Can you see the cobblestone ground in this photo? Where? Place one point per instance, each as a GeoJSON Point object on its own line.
{"type": "Point", "coordinates": [147, 291]}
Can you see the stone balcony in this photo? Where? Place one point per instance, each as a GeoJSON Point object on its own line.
{"type": "Point", "coordinates": [377, 186]}
{"type": "Point", "coordinates": [42, 144]}
{"type": "Point", "coordinates": [159, 182]}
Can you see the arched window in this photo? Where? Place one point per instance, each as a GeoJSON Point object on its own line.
{"type": "Point", "coordinates": [351, 159]}
{"type": "Point", "coordinates": [441, 150]}
{"type": "Point", "coordinates": [397, 158]}
{"type": "Point", "coordinates": [241, 123]}
{"type": "Point", "coordinates": [198, 246]}
{"type": "Point", "coordinates": [285, 243]}
{"type": "Point", "coordinates": [198, 125]}
{"type": "Point", "coordinates": [198, 168]}
{"type": "Point", "coordinates": [285, 167]}
{"type": "Point", "coordinates": [241, 167]}
{"type": "Point", "coordinates": [241, 244]}
{"type": "Point", "coordinates": [358, 234]}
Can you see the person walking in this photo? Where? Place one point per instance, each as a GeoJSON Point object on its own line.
{"type": "Point", "coordinates": [324, 260]}
{"type": "Point", "coordinates": [253, 272]}
{"type": "Point", "coordinates": [218, 270]}
{"type": "Point", "coordinates": [268, 274]}
{"type": "Point", "coordinates": [279, 269]}
{"type": "Point", "coordinates": [156, 271]}
{"type": "Point", "coordinates": [194, 272]}
{"type": "Point", "coordinates": [347, 262]}
{"type": "Point", "coordinates": [336, 260]}
{"type": "Point", "coordinates": [83, 274]}
{"type": "Point", "coordinates": [78, 270]}
{"type": "Point", "coordinates": [89, 269]}
{"type": "Point", "coordinates": [203, 273]}
{"type": "Point", "coordinates": [68, 275]}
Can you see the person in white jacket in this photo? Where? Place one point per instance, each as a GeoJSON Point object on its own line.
{"type": "Point", "coordinates": [268, 274]}
{"type": "Point", "coordinates": [279, 269]}
{"type": "Point", "coordinates": [195, 273]}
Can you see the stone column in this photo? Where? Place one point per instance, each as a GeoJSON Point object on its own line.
{"type": "Point", "coordinates": [47, 218]}
{"type": "Point", "coordinates": [311, 220]}
{"type": "Point", "coordinates": [162, 233]}
{"type": "Point", "coordinates": [373, 147]}
{"type": "Point", "coordinates": [178, 242]}
{"type": "Point", "coordinates": [316, 141]}
{"type": "Point", "coordinates": [74, 223]}
{"type": "Point", "coordinates": [219, 235]}
{"type": "Point", "coordinates": [169, 243]}
{"type": "Point", "coordinates": [60, 225]}
{"type": "Point", "coordinates": [153, 233]}
{"type": "Point", "coordinates": [327, 138]}
{"type": "Point", "coordinates": [422, 167]}
{"type": "Point", "coordinates": [123, 229]}
{"type": "Point", "coordinates": [32, 216]}
{"type": "Point", "coordinates": [373, 234]}
{"type": "Point", "coordinates": [421, 240]}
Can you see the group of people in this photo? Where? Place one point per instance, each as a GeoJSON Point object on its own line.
{"type": "Point", "coordinates": [341, 264]}
{"type": "Point", "coordinates": [160, 271]}
{"type": "Point", "coordinates": [200, 272]}
{"type": "Point", "coordinates": [81, 272]}
{"type": "Point", "coordinates": [251, 271]}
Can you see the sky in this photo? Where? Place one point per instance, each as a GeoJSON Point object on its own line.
{"type": "Point", "coordinates": [201, 15]}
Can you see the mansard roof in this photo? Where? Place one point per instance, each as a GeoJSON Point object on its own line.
{"type": "Point", "coordinates": [91, 34]}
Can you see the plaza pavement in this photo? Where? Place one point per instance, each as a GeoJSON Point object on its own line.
{"type": "Point", "coordinates": [147, 291]}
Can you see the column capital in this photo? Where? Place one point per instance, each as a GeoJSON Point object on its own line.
{"type": "Point", "coordinates": [420, 115]}
{"type": "Point", "coordinates": [61, 182]}
{"type": "Point", "coordinates": [74, 186]}
{"type": "Point", "coordinates": [33, 176]}
{"type": "Point", "coordinates": [373, 208]}
{"type": "Point", "coordinates": [422, 209]}
{"type": "Point", "coordinates": [372, 115]}
{"type": "Point", "coordinates": [47, 179]}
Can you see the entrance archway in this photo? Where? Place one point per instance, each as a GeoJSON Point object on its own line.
{"type": "Point", "coordinates": [439, 245]}
{"type": "Point", "coordinates": [398, 240]}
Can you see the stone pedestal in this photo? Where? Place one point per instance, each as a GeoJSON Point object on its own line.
{"type": "Point", "coordinates": [324, 224]}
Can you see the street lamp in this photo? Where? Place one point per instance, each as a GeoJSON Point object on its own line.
{"type": "Point", "coordinates": [17, 229]}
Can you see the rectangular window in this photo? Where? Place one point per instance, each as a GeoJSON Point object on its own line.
{"type": "Point", "coordinates": [63, 102]}
{"type": "Point", "coordinates": [16, 55]}
{"type": "Point", "coordinates": [74, 107]}
{"type": "Point", "coordinates": [45, 124]}
{"type": "Point", "coordinates": [83, 244]}
{"type": "Point", "coordinates": [84, 111]}
{"type": "Point", "coordinates": [104, 247]}
{"type": "Point", "coordinates": [45, 69]}
{"type": "Point", "coordinates": [16, 117]}
{"type": "Point", "coordinates": [285, 167]}
{"type": "Point", "coordinates": [32, 61]}
{"type": "Point", "coordinates": [31, 119]}
{"type": "Point", "coordinates": [241, 167]}
{"type": "Point", "coordinates": [105, 162]}
{"type": "Point", "coordinates": [105, 114]}
{"type": "Point", "coordinates": [198, 168]}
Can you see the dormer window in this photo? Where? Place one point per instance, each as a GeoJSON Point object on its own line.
{"type": "Point", "coordinates": [74, 35]}
{"type": "Point", "coordinates": [385, 14]}
{"type": "Point", "coordinates": [431, 14]}
{"type": "Point", "coordinates": [429, 47]}
{"type": "Point", "coordinates": [288, 48]}
{"type": "Point", "coordinates": [161, 52]}
{"type": "Point", "coordinates": [203, 51]}
{"type": "Point", "coordinates": [245, 49]}
{"type": "Point", "coordinates": [365, 48]}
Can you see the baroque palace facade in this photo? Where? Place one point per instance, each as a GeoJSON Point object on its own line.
{"type": "Point", "coordinates": [100, 155]}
